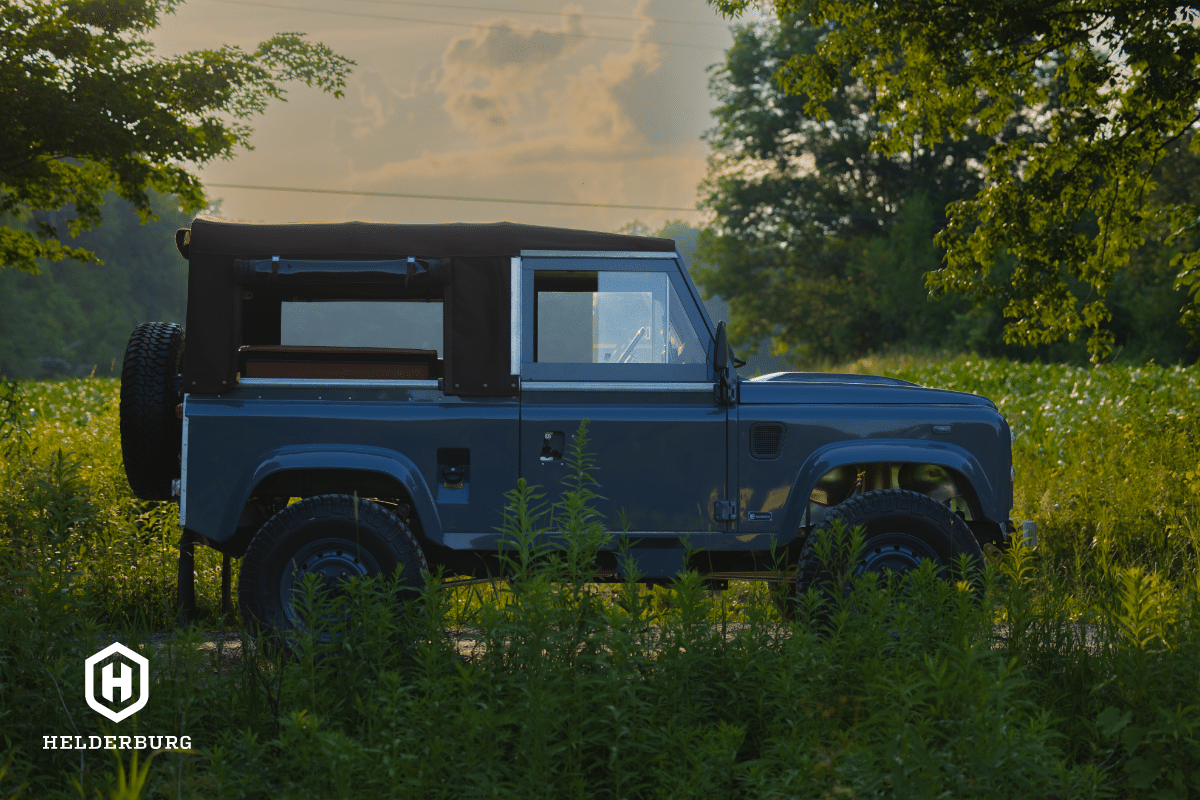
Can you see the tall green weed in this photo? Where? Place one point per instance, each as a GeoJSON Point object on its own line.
{"type": "Point", "coordinates": [60, 456]}
{"type": "Point", "coordinates": [1107, 458]}
{"type": "Point", "coordinates": [582, 693]}
{"type": "Point", "coordinates": [1070, 670]}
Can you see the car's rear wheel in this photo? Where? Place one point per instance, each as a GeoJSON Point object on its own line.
{"type": "Point", "coordinates": [901, 530]}
{"type": "Point", "coordinates": [334, 538]}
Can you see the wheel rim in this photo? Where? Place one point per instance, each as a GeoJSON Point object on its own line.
{"type": "Point", "coordinates": [333, 561]}
{"type": "Point", "coordinates": [898, 553]}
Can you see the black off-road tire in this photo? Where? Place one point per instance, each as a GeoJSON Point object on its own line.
{"type": "Point", "coordinates": [151, 433]}
{"type": "Point", "coordinates": [901, 529]}
{"type": "Point", "coordinates": [335, 536]}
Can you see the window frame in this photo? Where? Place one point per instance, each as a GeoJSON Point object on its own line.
{"type": "Point", "coordinates": [665, 263]}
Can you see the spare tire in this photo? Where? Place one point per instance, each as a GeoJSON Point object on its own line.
{"type": "Point", "coordinates": [151, 433]}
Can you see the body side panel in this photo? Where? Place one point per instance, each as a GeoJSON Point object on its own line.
{"type": "Point", "coordinates": [821, 437]}
{"type": "Point", "coordinates": [252, 433]}
{"type": "Point", "coordinates": [659, 456]}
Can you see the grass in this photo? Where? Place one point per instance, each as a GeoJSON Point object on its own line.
{"type": "Point", "coordinates": [1074, 672]}
{"type": "Point", "coordinates": [1107, 458]}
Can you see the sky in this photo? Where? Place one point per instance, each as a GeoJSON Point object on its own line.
{"type": "Point", "coordinates": [587, 102]}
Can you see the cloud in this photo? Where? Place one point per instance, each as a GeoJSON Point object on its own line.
{"type": "Point", "coordinates": [499, 46]}
{"type": "Point", "coordinates": [590, 103]}
{"type": "Point", "coordinates": [503, 82]}
{"type": "Point", "coordinates": [536, 113]}
{"type": "Point", "coordinates": [486, 72]}
{"type": "Point", "coordinates": [667, 99]}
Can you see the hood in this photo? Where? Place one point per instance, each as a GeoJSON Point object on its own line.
{"type": "Point", "coordinates": [823, 388]}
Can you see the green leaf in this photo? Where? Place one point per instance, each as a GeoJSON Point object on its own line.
{"type": "Point", "coordinates": [1132, 737]}
{"type": "Point", "coordinates": [90, 108]}
{"type": "Point", "coordinates": [1079, 141]}
{"type": "Point", "coordinates": [1111, 721]}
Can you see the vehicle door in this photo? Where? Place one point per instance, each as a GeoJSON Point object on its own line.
{"type": "Point", "coordinates": [620, 342]}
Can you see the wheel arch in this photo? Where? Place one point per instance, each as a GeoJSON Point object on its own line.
{"type": "Point", "coordinates": [967, 471]}
{"type": "Point", "coordinates": [312, 470]}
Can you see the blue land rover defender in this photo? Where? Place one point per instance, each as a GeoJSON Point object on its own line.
{"type": "Point", "coordinates": [399, 379]}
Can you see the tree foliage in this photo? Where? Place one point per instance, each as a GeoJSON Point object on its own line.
{"type": "Point", "coordinates": [819, 243]}
{"type": "Point", "coordinates": [72, 317]}
{"type": "Point", "coordinates": [1065, 201]}
{"type": "Point", "coordinates": [89, 108]}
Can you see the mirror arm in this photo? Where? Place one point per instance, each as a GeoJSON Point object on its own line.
{"type": "Point", "coordinates": [725, 389]}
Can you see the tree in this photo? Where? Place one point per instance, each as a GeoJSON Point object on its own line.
{"type": "Point", "coordinates": [74, 317]}
{"type": "Point", "coordinates": [819, 244]}
{"type": "Point", "coordinates": [1067, 200]}
{"type": "Point", "coordinates": [89, 108]}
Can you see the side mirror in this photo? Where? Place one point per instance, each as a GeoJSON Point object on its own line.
{"type": "Point", "coordinates": [725, 390]}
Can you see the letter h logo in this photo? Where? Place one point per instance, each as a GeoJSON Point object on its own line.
{"type": "Point", "coordinates": [116, 681]}
{"type": "Point", "coordinates": [124, 682]}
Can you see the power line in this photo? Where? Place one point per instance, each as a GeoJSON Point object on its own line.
{"type": "Point", "coordinates": [546, 13]}
{"type": "Point", "coordinates": [340, 13]}
{"type": "Point", "coordinates": [447, 197]}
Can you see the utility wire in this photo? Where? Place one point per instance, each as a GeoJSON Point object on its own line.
{"type": "Point", "coordinates": [352, 193]}
{"type": "Point", "coordinates": [547, 13]}
{"type": "Point", "coordinates": [446, 197]}
{"type": "Point", "coordinates": [340, 13]}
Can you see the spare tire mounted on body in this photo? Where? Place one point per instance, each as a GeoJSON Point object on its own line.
{"type": "Point", "coordinates": [151, 433]}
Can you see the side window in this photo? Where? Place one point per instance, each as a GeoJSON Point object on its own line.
{"type": "Point", "coordinates": [611, 318]}
{"type": "Point", "coordinates": [362, 323]}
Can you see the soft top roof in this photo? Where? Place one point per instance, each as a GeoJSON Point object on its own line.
{"type": "Point", "coordinates": [472, 277]}
{"type": "Point", "coordinates": [211, 236]}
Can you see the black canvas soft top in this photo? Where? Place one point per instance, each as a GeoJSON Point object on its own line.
{"type": "Point", "coordinates": [465, 264]}
{"type": "Point", "coordinates": [210, 236]}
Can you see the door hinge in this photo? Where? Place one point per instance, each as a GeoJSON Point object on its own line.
{"type": "Point", "coordinates": [725, 510]}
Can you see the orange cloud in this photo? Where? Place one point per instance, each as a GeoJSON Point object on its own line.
{"type": "Point", "coordinates": [486, 72]}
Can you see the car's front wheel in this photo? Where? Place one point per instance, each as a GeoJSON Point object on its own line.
{"type": "Point", "coordinates": [901, 531]}
{"type": "Point", "coordinates": [332, 537]}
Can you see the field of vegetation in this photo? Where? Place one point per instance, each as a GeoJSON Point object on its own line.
{"type": "Point", "coordinates": [1072, 670]}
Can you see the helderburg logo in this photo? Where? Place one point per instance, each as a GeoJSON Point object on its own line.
{"type": "Point", "coordinates": [116, 684]}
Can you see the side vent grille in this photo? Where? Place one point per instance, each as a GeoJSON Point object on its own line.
{"type": "Point", "coordinates": [766, 439]}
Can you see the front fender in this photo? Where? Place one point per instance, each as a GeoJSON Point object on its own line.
{"type": "Point", "coordinates": [894, 451]}
{"type": "Point", "coordinates": [334, 457]}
